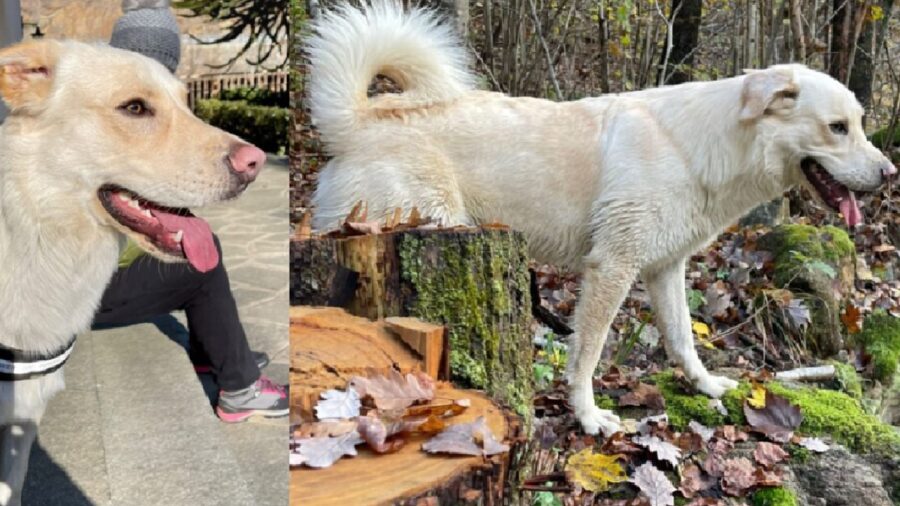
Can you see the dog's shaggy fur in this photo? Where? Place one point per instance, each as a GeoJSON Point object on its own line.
{"type": "Point", "coordinates": [70, 133]}
{"type": "Point", "coordinates": [616, 186]}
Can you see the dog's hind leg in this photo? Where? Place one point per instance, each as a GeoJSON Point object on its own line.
{"type": "Point", "coordinates": [607, 277]}
{"type": "Point", "coordinates": [15, 447]}
{"type": "Point", "coordinates": [667, 293]}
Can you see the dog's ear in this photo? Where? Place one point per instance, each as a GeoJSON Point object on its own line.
{"type": "Point", "coordinates": [767, 91]}
{"type": "Point", "coordinates": [26, 73]}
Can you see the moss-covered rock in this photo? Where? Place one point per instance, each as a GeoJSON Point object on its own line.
{"type": "Point", "coordinates": [819, 262]}
{"type": "Point", "coordinates": [880, 337]}
{"type": "Point", "coordinates": [776, 496]}
{"type": "Point", "coordinates": [825, 412]}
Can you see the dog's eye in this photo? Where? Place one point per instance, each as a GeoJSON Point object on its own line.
{"type": "Point", "coordinates": [136, 107]}
{"type": "Point", "coordinates": [838, 127]}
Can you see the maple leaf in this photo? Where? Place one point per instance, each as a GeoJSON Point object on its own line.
{"type": "Point", "coordinates": [757, 397]}
{"type": "Point", "coordinates": [768, 454]}
{"type": "Point", "coordinates": [394, 391]}
{"type": "Point", "coordinates": [595, 472]}
{"type": "Point", "coordinates": [663, 450]}
{"type": "Point", "coordinates": [777, 420]}
{"type": "Point", "coordinates": [644, 395]}
{"type": "Point", "coordinates": [813, 444]}
{"type": "Point", "coordinates": [850, 317]}
{"type": "Point", "coordinates": [737, 476]}
{"type": "Point", "coordinates": [694, 480]}
{"type": "Point", "coordinates": [654, 485]}
{"type": "Point", "coordinates": [464, 439]}
{"type": "Point", "coordinates": [338, 404]}
{"type": "Point", "coordinates": [324, 451]}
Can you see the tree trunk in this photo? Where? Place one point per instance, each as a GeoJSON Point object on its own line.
{"type": "Point", "coordinates": [474, 281]}
{"type": "Point", "coordinates": [685, 37]}
{"type": "Point", "coordinates": [840, 40]}
{"type": "Point", "coordinates": [328, 348]}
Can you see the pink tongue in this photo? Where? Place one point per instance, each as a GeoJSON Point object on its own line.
{"type": "Point", "coordinates": [850, 209]}
{"type": "Point", "coordinates": [197, 241]}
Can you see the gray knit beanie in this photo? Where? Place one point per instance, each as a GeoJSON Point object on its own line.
{"type": "Point", "coordinates": [148, 27]}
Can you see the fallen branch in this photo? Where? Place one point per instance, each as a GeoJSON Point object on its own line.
{"type": "Point", "coordinates": [821, 373]}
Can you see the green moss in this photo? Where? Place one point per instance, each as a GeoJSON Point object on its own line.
{"type": "Point", "coordinates": [796, 247]}
{"type": "Point", "coordinates": [881, 338]}
{"type": "Point", "coordinates": [605, 402]}
{"type": "Point", "coordinates": [776, 496]}
{"type": "Point", "coordinates": [799, 454]}
{"type": "Point", "coordinates": [825, 412]}
{"type": "Point", "coordinates": [466, 288]}
{"type": "Point", "coordinates": [847, 380]}
{"type": "Point", "coordinates": [683, 407]}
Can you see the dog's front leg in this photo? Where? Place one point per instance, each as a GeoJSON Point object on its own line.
{"type": "Point", "coordinates": [15, 447]}
{"type": "Point", "coordinates": [667, 293]}
{"type": "Point", "coordinates": [607, 278]}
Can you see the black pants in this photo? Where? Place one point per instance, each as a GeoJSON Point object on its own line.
{"type": "Point", "coordinates": [149, 288]}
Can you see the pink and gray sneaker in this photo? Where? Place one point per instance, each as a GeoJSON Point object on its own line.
{"type": "Point", "coordinates": [263, 398]}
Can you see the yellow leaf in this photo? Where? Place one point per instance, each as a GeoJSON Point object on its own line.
{"type": "Point", "coordinates": [702, 331]}
{"type": "Point", "coordinates": [757, 397]}
{"type": "Point", "coordinates": [595, 472]}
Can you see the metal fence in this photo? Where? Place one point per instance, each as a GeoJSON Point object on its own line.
{"type": "Point", "coordinates": [210, 86]}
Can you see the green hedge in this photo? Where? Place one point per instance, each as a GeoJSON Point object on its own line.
{"type": "Point", "coordinates": [257, 96]}
{"type": "Point", "coordinates": [266, 127]}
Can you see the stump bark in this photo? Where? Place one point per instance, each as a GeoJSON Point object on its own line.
{"type": "Point", "coordinates": [328, 347]}
{"type": "Point", "coordinates": [473, 280]}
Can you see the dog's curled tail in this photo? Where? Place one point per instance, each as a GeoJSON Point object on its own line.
{"type": "Point", "coordinates": [349, 46]}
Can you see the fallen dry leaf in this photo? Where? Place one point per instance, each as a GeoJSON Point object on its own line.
{"type": "Point", "coordinates": [644, 395]}
{"type": "Point", "coordinates": [850, 317]}
{"type": "Point", "coordinates": [737, 476]}
{"type": "Point", "coordinates": [768, 454]}
{"type": "Point", "coordinates": [777, 420]}
{"type": "Point", "coordinates": [322, 452]}
{"type": "Point", "coordinates": [694, 480]}
{"type": "Point", "coordinates": [594, 472]}
{"type": "Point", "coordinates": [654, 485]}
{"type": "Point", "coordinates": [698, 428]}
{"type": "Point", "coordinates": [394, 391]}
{"type": "Point", "coordinates": [338, 404]}
{"type": "Point", "coordinates": [448, 408]}
{"type": "Point", "coordinates": [324, 429]}
{"type": "Point", "coordinates": [376, 431]}
{"type": "Point", "coordinates": [664, 450]}
{"type": "Point", "coordinates": [473, 438]}
{"type": "Point", "coordinates": [813, 444]}
{"type": "Point", "coordinates": [757, 397]}
{"type": "Point", "coordinates": [768, 477]}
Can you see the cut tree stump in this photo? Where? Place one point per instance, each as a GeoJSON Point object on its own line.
{"type": "Point", "coordinates": [473, 280]}
{"type": "Point", "coordinates": [328, 347]}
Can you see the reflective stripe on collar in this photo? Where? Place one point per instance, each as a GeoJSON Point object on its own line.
{"type": "Point", "coordinates": [17, 365]}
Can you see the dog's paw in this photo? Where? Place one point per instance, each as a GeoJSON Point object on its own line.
{"type": "Point", "coordinates": [595, 420]}
{"type": "Point", "coordinates": [715, 386]}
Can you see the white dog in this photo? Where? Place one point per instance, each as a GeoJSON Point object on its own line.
{"type": "Point", "coordinates": [100, 145]}
{"type": "Point", "coordinates": [616, 186]}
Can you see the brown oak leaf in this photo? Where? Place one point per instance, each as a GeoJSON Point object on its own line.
{"type": "Point", "coordinates": [737, 476]}
{"type": "Point", "coordinates": [394, 391]}
{"type": "Point", "coordinates": [654, 485]}
{"type": "Point", "coordinates": [694, 480]}
{"type": "Point", "coordinates": [473, 438]}
{"type": "Point", "coordinates": [777, 420]}
{"type": "Point", "coordinates": [644, 395]}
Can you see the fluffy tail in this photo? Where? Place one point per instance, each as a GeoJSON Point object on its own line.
{"type": "Point", "coordinates": [351, 45]}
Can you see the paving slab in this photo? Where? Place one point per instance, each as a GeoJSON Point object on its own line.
{"type": "Point", "coordinates": [135, 425]}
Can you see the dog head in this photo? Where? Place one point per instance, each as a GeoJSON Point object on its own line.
{"type": "Point", "coordinates": [114, 136]}
{"type": "Point", "coordinates": [812, 128]}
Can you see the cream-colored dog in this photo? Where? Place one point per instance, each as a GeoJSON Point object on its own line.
{"type": "Point", "coordinates": [617, 186]}
{"type": "Point", "coordinates": [100, 145]}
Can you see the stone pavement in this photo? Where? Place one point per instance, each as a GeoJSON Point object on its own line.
{"type": "Point", "coordinates": [135, 425]}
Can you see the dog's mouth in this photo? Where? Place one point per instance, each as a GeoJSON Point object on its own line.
{"type": "Point", "coordinates": [175, 232]}
{"type": "Point", "coordinates": [833, 193]}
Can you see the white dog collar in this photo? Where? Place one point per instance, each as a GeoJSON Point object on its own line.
{"type": "Point", "coordinates": [18, 365]}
